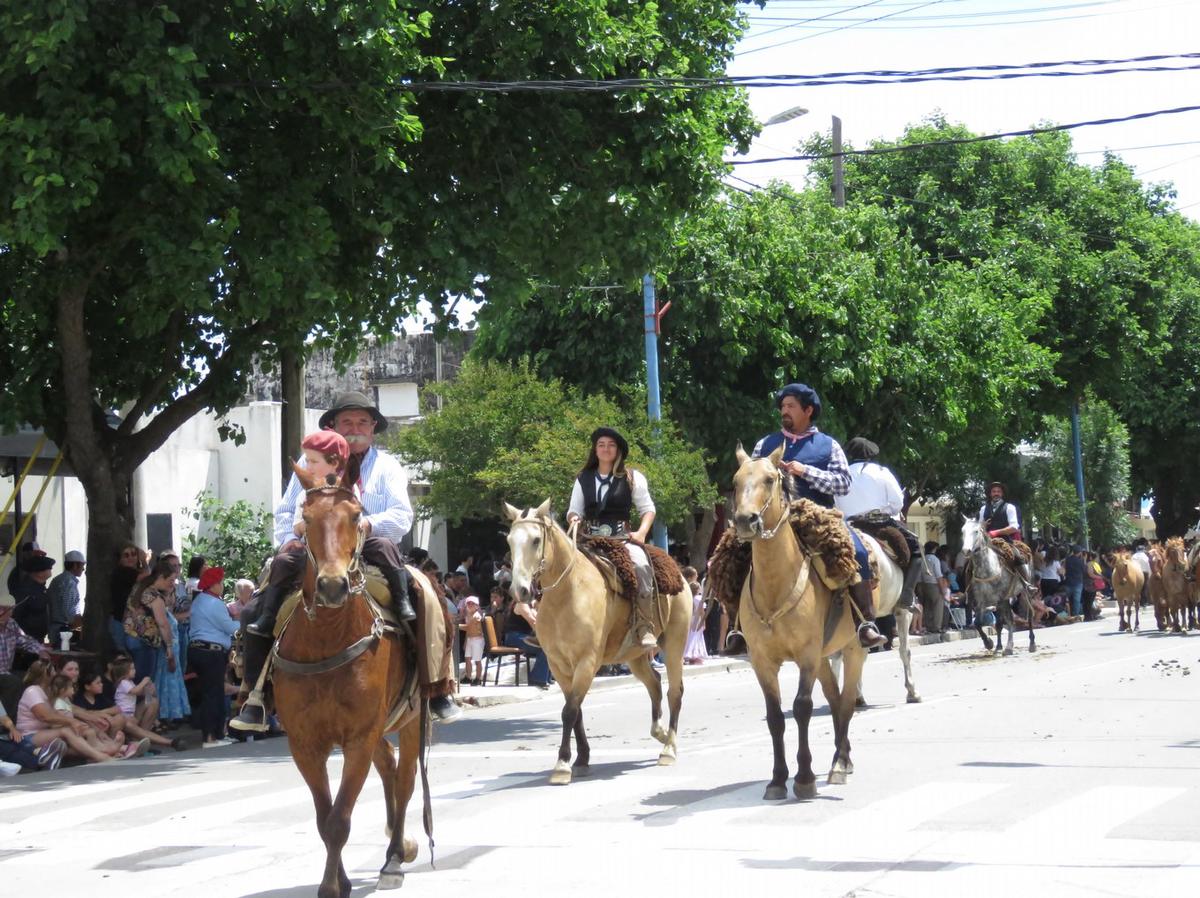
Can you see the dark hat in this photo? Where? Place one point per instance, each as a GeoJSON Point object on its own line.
{"type": "Point", "coordinates": [622, 443]}
{"type": "Point", "coordinates": [860, 448]}
{"type": "Point", "coordinates": [1003, 488]}
{"type": "Point", "coordinates": [805, 394]}
{"type": "Point", "coordinates": [353, 400]}
{"type": "Point", "coordinates": [39, 563]}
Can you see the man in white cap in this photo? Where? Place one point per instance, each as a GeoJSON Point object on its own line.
{"type": "Point", "coordinates": [63, 595]}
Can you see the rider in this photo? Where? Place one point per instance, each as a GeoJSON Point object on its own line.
{"type": "Point", "coordinates": [875, 497]}
{"type": "Point", "coordinates": [999, 515]}
{"type": "Point", "coordinates": [815, 468]}
{"type": "Point", "coordinates": [382, 488]}
{"type": "Point", "coordinates": [604, 494]}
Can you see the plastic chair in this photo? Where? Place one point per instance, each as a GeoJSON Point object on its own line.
{"type": "Point", "coordinates": [494, 651]}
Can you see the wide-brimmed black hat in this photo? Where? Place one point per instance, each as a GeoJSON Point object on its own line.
{"type": "Point", "coordinates": [622, 443]}
{"type": "Point", "coordinates": [354, 400]}
{"type": "Point", "coordinates": [1003, 488]}
{"type": "Point", "coordinates": [861, 449]}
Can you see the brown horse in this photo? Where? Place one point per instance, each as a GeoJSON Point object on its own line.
{"type": "Point", "coordinates": [1157, 587]}
{"type": "Point", "coordinates": [787, 614]}
{"type": "Point", "coordinates": [582, 624]}
{"type": "Point", "coordinates": [1175, 586]}
{"type": "Point", "coordinates": [1127, 579]}
{"type": "Point", "coordinates": [344, 678]}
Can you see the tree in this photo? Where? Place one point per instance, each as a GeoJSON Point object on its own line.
{"type": "Point", "coordinates": [234, 536]}
{"type": "Point", "coordinates": [781, 286]}
{"type": "Point", "coordinates": [504, 435]}
{"type": "Point", "coordinates": [187, 190]}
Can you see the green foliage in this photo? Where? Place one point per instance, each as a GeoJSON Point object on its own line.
{"type": "Point", "coordinates": [1049, 476]}
{"type": "Point", "coordinates": [504, 435]}
{"type": "Point", "coordinates": [234, 536]}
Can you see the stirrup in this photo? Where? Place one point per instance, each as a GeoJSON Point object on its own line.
{"type": "Point", "coordinates": [868, 641]}
{"type": "Point", "coordinates": [252, 718]}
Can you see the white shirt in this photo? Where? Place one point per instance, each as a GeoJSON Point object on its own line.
{"type": "Point", "coordinates": [384, 498]}
{"type": "Point", "coordinates": [1009, 509]}
{"type": "Point", "coordinates": [872, 488]}
{"type": "Point", "coordinates": [1143, 561]}
{"type": "Point", "coordinates": [637, 485]}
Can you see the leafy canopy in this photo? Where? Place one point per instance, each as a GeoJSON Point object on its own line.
{"type": "Point", "coordinates": [505, 435]}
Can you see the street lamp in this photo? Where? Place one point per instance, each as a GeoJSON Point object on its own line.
{"type": "Point", "coordinates": [786, 116]}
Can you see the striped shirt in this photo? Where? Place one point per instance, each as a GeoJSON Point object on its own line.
{"type": "Point", "coordinates": [384, 497]}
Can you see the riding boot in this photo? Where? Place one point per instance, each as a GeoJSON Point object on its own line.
{"type": "Point", "coordinates": [252, 718]}
{"type": "Point", "coordinates": [868, 636]}
{"type": "Point", "coordinates": [908, 588]}
{"type": "Point", "coordinates": [397, 581]}
{"type": "Point", "coordinates": [270, 601]}
{"type": "Point", "coordinates": [642, 618]}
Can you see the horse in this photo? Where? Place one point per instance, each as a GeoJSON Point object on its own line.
{"type": "Point", "coordinates": [582, 625]}
{"type": "Point", "coordinates": [1193, 575]}
{"type": "Point", "coordinates": [1127, 580]}
{"type": "Point", "coordinates": [993, 584]}
{"type": "Point", "coordinates": [343, 677]}
{"type": "Point", "coordinates": [1175, 586]}
{"type": "Point", "coordinates": [887, 594]}
{"type": "Point", "coordinates": [787, 614]}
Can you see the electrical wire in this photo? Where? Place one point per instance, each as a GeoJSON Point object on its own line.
{"type": "Point", "coordinates": [836, 12]}
{"type": "Point", "coordinates": [956, 141]}
{"type": "Point", "coordinates": [806, 37]}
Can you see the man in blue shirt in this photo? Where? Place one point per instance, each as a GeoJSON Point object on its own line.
{"type": "Point", "coordinates": [815, 468]}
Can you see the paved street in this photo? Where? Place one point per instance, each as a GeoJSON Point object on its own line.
{"type": "Point", "coordinates": [1074, 772]}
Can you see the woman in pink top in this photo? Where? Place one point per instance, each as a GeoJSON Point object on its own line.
{"type": "Point", "coordinates": [39, 724]}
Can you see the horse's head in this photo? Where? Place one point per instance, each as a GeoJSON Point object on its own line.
{"type": "Point", "coordinates": [1120, 566]}
{"type": "Point", "coordinates": [973, 534]}
{"type": "Point", "coordinates": [527, 537]}
{"type": "Point", "coordinates": [1176, 553]}
{"type": "Point", "coordinates": [331, 516]}
{"type": "Point", "coordinates": [759, 505]}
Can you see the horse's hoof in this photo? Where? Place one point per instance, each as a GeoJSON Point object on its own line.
{"type": "Point", "coordinates": [835, 778]}
{"type": "Point", "coordinates": [1007, 652]}
{"type": "Point", "coordinates": [914, 699]}
{"type": "Point", "coordinates": [561, 775]}
{"type": "Point", "coordinates": [807, 791]}
{"type": "Point", "coordinates": [998, 651]}
{"type": "Point", "coordinates": [581, 770]}
{"type": "Point", "coordinates": [775, 793]}
{"type": "Point", "coordinates": [1032, 649]}
{"type": "Point", "coordinates": [410, 850]}
{"type": "Point", "coordinates": [667, 758]}
{"type": "Point", "coordinates": [389, 881]}
{"type": "Point", "coordinates": [860, 702]}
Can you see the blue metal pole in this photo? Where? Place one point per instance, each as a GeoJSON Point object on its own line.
{"type": "Point", "coordinates": [653, 401]}
{"type": "Point", "coordinates": [1078, 446]}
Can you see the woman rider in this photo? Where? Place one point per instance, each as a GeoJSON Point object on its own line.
{"type": "Point", "coordinates": [604, 494]}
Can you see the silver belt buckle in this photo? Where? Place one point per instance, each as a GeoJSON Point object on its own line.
{"type": "Point", "coordinates": [602, 530]}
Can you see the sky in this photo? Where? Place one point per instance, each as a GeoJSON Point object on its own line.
{"type": "Point", "coordinates": [912, 34]}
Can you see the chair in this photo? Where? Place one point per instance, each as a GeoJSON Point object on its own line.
{"type": "Point", "coordinates": [497, 652]}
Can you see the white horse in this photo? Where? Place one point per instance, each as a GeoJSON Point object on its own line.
{"type": "Point", "coordinates": [887, 594]}
{"type": "Point", "coordinates": [992, 584]}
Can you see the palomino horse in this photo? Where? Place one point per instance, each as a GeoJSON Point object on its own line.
{"type": "Point", "coordinates": [887, 594]}
{"type": "Point", "coordinates": [343, 678]}
{"type": "Point", "coordinates": [1175, 586]}
{"type": "Point", "coordinates": [1156, 588]}
{"type": "Point", "coordinates": [993, 584]}
{"type": "Point", "coordinates": [1193, 567]}
{"type": "Point", "coordinates": [582, 625]}
{"type": "Point", "coordinates": [788, 614]}
{"type": "Point", "coordinates": [1127, 580]}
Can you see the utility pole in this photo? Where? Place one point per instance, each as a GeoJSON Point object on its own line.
{"type": "Point", "coordinates": [1078, 447]}
{"type": "Point", "coordinates": [653, 405]}
{"type": "Point", "coordinates": [839, 175]}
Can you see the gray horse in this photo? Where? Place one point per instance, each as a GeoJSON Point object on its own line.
{"type": "Point", "coordinates": [993, 585]}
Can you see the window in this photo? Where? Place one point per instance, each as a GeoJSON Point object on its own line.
{"type": "Point", "coordinates": [160, 533]}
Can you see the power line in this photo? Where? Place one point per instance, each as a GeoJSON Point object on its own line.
{"type": "Point", "coordinates": [955, 141]}
{"type": "Point", "coordinates": [817, 18]}
{"type": "Point", "coordinates": [840, 28]}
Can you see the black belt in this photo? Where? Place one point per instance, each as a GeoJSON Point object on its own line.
{"type": "Point", "coordinates": [207, 646]}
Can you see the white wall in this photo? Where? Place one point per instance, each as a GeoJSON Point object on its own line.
{"type": "Point", "coordinates": [398, 400]}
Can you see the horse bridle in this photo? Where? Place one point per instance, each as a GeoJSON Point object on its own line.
{"type": "Point", "coordinates": [787, 509]}
{"type": "Point", "coordinates": [354, 571]}
{"type": "Point", "coordinates": [536, 575]}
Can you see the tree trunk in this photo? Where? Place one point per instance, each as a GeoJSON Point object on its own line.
{"type": "Point", "coordinates": [1173, 512]}
{"type": "Point", "coordinates": [110, 523]}
{"type": "Point", "coordinates": [699, 535]}
{"type": "Point", "coordinates": [291, 430]}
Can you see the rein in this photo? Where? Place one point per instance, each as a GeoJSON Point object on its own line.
{"type": "Point", "coordinates": [787, 510]}
{"type": "Point", "coordinates": [546, 529]}
{"type": "Point", "coordinates": [354, 571]}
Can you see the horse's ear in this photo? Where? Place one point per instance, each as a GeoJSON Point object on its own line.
{"type": "Point", "coordinates": [966, 520]}
{"type": "Point", "coordinates": [511, 512]}
{"type": "Point", "coordinates": [740, 454]}
{"type": "Point", "coordinates": [777, 456]}
{"type": "Point", "coordinates": [307, 480]}
{"type": "Point", "coordinates": [543, 510]}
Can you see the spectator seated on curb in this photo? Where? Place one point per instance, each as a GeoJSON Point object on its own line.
{"type": "Point", "coordinates": [39, 724]}
{"type": "Point", "coordinates": [18, 757]}
{"type": "Point", "coordinates": [98, 710]}
{"type": "Point", "coordinates": [133, 697]}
